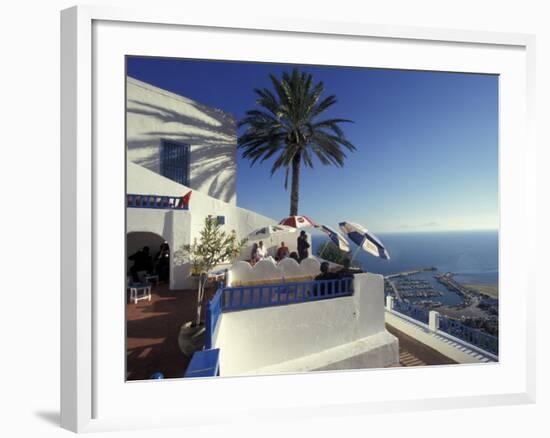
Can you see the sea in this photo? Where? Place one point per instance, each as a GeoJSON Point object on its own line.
{"type": "Point", "coordinates": [471, 255]}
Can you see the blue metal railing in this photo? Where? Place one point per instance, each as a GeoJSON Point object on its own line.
{"type": "Point", "coordinates": [156, 201]}
{"type": "Point", "coordinates": [414, 312]}
{"type": "Point", "coordinates": [213, 312]}
{"type": "Point", "coordinates": [250, 297]}
{"type": "Point", "coordinates": [471, 335]}
{"type": "Point", "coordinates": [453, 327]}
{"type": "Point", "coordinates": [204, 363]}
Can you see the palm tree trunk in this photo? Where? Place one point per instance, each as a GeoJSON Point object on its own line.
{"type": "Point", "coordinates": [295, 185]}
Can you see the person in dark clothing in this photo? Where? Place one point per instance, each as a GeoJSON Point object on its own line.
{"type": "Point", "coordinates": [325, 273]}
{"type": "Point", "coordinates": [162, 262]}
{"type": "Point", "coordinates": [294, 255]}
{"type": "Point", "coordinates": [142, 262]}
{"type": "Point", "coordinates": [322, 289]}
{"type": "Point", "coordinates": [303, 246]}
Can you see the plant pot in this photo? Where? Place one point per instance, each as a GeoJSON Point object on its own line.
{"type": "Point", "coordinates": [191, 338]}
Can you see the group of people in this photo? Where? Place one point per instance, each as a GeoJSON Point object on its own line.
{"type": "Point", "coordinates": [259, 251]}
{"type": "Point", "coordinates": [143, 262]}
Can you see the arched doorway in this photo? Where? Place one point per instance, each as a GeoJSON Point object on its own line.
{"type": "Point", "coordinates": [146, 251]}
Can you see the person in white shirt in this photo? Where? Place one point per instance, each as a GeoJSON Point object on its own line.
{"type": "Point", "coordinates": [262, 253]}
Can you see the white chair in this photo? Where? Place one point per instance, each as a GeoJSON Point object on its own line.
{"type": "Point", "coordinates": [140, 292]}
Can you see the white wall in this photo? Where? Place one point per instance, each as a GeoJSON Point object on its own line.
{"type": "Point", "coordinates": [154, 114]}
{"type": "Point", "coordinates": [258, 338]}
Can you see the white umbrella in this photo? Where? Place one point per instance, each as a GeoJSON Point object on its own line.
{"type": "Point", "coordinates": [269, 231]}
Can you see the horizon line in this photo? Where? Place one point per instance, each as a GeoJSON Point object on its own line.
{"type": "Point", "coordinates": [437, 231]}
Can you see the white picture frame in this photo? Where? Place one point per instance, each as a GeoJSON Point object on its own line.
{"type": "Point", "coordinates": [82, 369]}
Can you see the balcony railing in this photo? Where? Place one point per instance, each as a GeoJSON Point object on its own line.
{"type": "Point", "coordinates": [205, 363]}
{"type": "Point", "coordinates": [414, 312]}
{"type": "Point", "coordinates": [250, 297]}
{"type": "Point", "coordinates": [213, 312]}
{"type": "Point", "coordinates": [471, 335]}
{"type": "Point", "coordinates": [444, 324]}
{"type": "Point", "coordinates": [156, 201]}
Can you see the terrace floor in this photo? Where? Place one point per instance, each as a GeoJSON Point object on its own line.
{"type": "Point", "coordinates": [152, 329]}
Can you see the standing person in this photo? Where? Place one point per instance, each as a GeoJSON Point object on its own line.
{"type": "Point", "coordinates": [303, 246]}
{"type": "Point", "coordinates": [262, 253]}
{"type": "Point", "coordinates": [282, 252]}
{"type": "Point", "coordinates": [254, 254]}
{"type": "Point", "coordinates": [162, 262]}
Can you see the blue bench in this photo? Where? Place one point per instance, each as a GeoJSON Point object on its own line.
{"type": "Point", "coordinates": [204, 363]}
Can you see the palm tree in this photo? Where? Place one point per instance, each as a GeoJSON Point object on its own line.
{"type": "Point", "coordinates": [288, 127]}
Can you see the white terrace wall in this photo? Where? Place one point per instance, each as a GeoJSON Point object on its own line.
{"type": "Point", "coordinates": [180, 227]}
{"type": "Point", "coordinates": [154, 114]}
{"type": "Point", "coordinates": [308, 336]}
{"type": "Point", "coordinates": [267, 270]}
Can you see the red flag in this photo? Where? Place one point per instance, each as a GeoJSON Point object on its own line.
{"type": "Point", "coordinates": [184, 202]}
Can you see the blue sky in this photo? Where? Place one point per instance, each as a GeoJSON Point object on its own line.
{"type": "Point", "coordinates": [427, 143]}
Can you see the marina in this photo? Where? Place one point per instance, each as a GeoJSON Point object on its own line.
{"type": "Point", "coordinates": [419, 286]}
{"type": "Point", "coordinates": [428, 290]}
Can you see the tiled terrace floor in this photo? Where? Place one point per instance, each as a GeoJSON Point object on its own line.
{"type": "Point", "coordinates": [152, 329]}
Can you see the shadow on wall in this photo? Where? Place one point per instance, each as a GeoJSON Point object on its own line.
{"type": "Point", "coordinates": [211, 134]}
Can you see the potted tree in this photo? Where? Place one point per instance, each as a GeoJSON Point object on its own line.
{"type": "Point", "coordinates": [214, 247]}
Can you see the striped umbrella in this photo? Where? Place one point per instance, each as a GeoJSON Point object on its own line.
{"type": "Point", "coordinates": [364, 239]}
{"type": "Point", "coordinates": [298, 222]}
{"type": "Point", "coordinates": [336, 238]}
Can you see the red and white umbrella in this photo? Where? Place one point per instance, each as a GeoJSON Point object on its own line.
{"type": "Point", "coordinates": [298, 222]}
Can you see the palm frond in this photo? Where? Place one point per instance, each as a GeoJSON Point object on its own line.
{"type": "Point", "coordinates": [286, 123]}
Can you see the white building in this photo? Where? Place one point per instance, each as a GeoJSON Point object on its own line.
{"type": "Point", "coordinates": [175, 145]}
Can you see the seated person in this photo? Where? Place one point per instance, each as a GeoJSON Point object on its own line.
{"type": "Point", "coordinates": [325, 275]}
{"type": "Point", "coordinates": [294, 255]}
{"type": "Point", "coordinates": [282, 251]}
{"type": "Point", "coordinates": [142, 262]}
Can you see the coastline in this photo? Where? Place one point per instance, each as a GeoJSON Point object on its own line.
{"type": "Point", "coordinates": [486, 289]}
